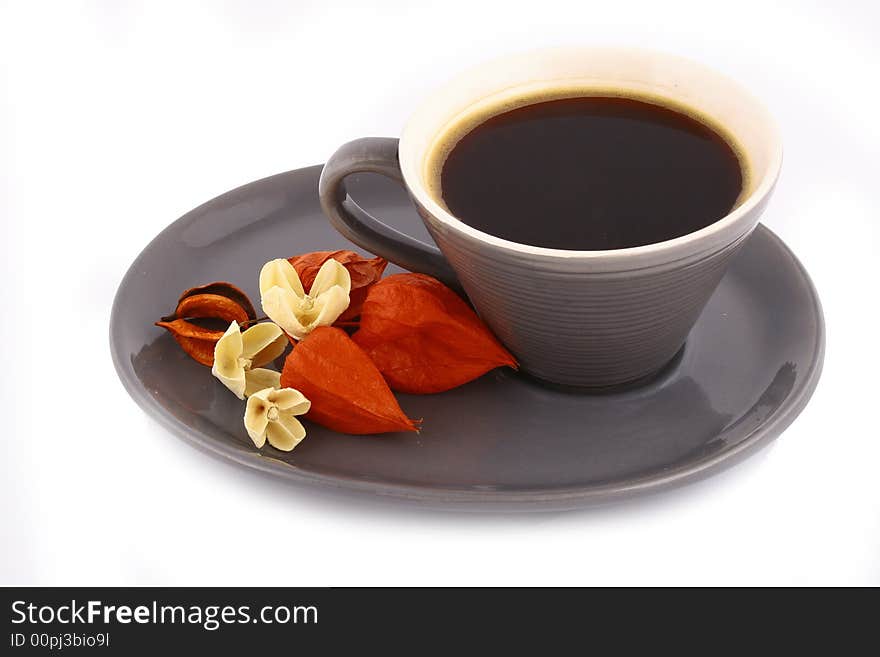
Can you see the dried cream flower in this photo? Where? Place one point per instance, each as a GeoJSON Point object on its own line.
{"type": "Point", "coordinates": [298, 313]}
{"type": "Point", "coordinates": [238, 357]}
{"type": "Point", "coordinates": [272, 414]}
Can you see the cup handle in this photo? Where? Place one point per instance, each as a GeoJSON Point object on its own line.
{"type": "Point", "coordinates": [376, 155]}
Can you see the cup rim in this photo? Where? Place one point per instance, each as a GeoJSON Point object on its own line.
{"type": "Point", "coordinates": [717, 234]}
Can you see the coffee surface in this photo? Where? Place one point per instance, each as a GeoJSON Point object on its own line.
{"type": "Point", "coordinates": [591, 173]}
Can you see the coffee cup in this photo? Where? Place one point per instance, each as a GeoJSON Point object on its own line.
{"type": "Point", "coordinates": [586, 318]}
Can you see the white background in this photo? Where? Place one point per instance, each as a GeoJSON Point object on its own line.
{"type": "Point", "coordinates": [118, 117]}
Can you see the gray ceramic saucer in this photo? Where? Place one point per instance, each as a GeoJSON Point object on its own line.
{"type": "Point", "coordinates": [503, 441]}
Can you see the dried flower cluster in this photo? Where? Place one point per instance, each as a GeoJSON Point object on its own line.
{"type": "Point", "coordinates": [409, 333]}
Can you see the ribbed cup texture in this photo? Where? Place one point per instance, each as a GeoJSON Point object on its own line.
{"type": "Point", "coordinates": [579, 328]}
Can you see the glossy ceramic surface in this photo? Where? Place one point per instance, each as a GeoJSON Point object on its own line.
{"type": "Point", "coordinates": [504, 441]}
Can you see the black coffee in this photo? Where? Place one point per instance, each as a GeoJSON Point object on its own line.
{"type": "Point", "coordinates": [591, 173]}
